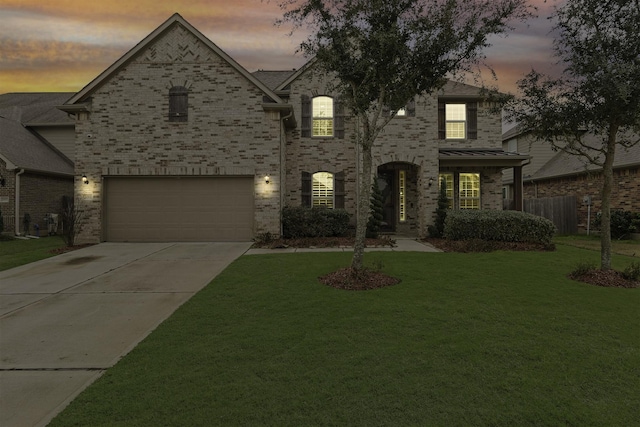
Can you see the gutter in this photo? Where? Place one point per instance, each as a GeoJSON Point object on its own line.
{"type": "Point", "coordinates": [17, 203]}
{"type": "Point", "coordinates": [283, 143]}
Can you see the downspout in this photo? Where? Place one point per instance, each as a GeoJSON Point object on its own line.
{"type": "Point", "coordinates": [283, 157]}
{"type": "Point", "coordinates": [17, 203]}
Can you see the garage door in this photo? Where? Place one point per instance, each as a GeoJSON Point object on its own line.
{"type": "Point", "coordinates": [184, 209]}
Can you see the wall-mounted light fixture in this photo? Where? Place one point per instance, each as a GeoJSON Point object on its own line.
{"type": "Point", "coordinates": [430, 181]}
{"type": "Point", "coordinates": [267, 179]}
{"type": "Point", "coordinates": [85, 179]}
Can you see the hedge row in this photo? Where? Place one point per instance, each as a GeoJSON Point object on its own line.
{"type": "Point", "coordinates": [504, 226]}
{"type": "Point", "coordinates": [300, 222]}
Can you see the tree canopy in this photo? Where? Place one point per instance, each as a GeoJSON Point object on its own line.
{"type": "Point", "coordinates": [383, 53]}
{"type": "Point", "coordinates": [597, 95]}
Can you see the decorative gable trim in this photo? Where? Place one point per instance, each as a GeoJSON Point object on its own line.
{"type": "Point", "coordinates": [176, 19]}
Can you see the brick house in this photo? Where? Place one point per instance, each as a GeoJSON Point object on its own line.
{"type": "Point", "coordinates": [37, 144]}
{"type": "Point", "coordinates": [178, 142]}
{"type": "Point", "coordinates": [555, 173]}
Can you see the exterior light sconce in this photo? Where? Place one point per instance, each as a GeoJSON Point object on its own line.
{"type": "Point", "coordinates": [430, 181]}
{"type": "Point", "coordinates": [267, 179]}
{"type": "Point", "coordinates": [85, 179]}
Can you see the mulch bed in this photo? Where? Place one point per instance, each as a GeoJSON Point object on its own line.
{"type": "Point", "coordinates": [606, 278]}
{"type": "Point", "coordinates": [363, 280]}
{"type": "Point", "coordinates": [477, 245]}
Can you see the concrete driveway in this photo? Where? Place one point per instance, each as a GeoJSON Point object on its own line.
{"type": "Point", "coordinates": [66, 319]}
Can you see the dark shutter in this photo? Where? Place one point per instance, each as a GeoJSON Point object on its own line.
{"type": "Point", "coordinates": [442, 130]}
{"type": "Point", "coordinates": [338, 190]}
{"type": "Point", "coordinates": [338, 118]}
{"type": "Point", "coordinates": [411, 108]}
{"type": "Point", "coordinates": [472, 120]}
{"type": "Point", "coordinates": [306, 189]}
{"type": "Point", "coordinates": [306, 116]}
{"type": "Point", "coordinates": [178, 104]}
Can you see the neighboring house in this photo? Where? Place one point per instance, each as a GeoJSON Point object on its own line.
{"type": "Point", "coordinates": [179, 142]}
{"type": "Point", "coordinates": [37, 144]}
{"type": "Point", "coordinates": [556, 173]}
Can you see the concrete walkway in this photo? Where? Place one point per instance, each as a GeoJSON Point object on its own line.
{"type": "Point", "coordinates": [403, 244]}
{"type": "Point", "coordinates": [66, 319]}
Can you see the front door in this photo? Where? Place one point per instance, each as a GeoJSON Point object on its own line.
{"type": "Point", "coordinates": [386, 185]}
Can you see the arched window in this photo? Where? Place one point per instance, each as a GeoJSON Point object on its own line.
{"type": "Point", "coordinates": [178, 104]}
{"type": "Point", "coordinates": [322, 116]}
{"type": "Point", "coordinates": [322, 189]}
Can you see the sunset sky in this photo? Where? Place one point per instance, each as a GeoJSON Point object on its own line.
{"type": "Point", "coordinates": [62, 45]}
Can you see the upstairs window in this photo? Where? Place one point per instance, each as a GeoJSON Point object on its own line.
{"type": "Point", "coordinates": [457, 120]}
{"type": "Point", "coordinates": [322, 116]}
{"type": "Point", "coordinates": [178, 104]}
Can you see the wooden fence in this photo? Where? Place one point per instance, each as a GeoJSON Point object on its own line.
{"type": "Point", "coordinates": [563, 211]}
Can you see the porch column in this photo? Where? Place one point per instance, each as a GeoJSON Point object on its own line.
{"type": "Point", "coordinates": [517, 188]}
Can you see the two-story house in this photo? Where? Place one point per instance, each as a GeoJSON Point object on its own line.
{"type": "Point", "coordinates": [178, 142]}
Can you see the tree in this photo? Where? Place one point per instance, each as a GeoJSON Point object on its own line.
{"type": "Point", "coordinates": [598, 94]}
{"type": "Point", "coordinates": [383, 53]}
{"type": "Point", "coordinates": [72, 220]}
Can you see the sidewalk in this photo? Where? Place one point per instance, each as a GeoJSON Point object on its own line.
{"type": "Point", "coordinates": [403, 244]}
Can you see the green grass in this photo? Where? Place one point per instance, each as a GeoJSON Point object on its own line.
{"type": "Point", "coordinates": [501, 339]}
{"type": "Point", "coordinates": [620, 247]}
{"type": "Point", "coordinates": [14, 253]}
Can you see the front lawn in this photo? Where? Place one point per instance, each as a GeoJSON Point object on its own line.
{"type": "Point", "coordinates": [16, 252]}
{"type": "Point", "coordinates": [500, 339]}
{"type": "Point", "coordinates": [620, 247]}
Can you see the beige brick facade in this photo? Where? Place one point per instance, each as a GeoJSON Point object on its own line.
{"type": "Point", "coordinates": [236, 127]}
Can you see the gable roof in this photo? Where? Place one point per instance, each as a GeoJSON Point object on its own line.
{"type": "Point", "coordinates": [564, 164]}
{"type": "Point", "coordinates": [273, 79]}
{"type": "Point", "coordinates": [21, 148]}
{"type": "Point", "coordinates": [175, 19]}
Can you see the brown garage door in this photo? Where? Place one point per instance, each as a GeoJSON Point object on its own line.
{"type": "Point", "coordinates": [183, 209]}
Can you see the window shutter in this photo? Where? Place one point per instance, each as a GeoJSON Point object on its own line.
{"type": "Point", "coordinates": [411, 108]}
{"type": "Point", "coordinates": [338, 123]}
{"type": "Point", "coordinates": [472, 120]}
{"type": "Point", "coordinates": [442, 133]}
{"type": "Point", "coordinates": [306, 117]}
{"type": "Point", "coordinates": [338, 190]}
{"type": "Point", "coordinates": [178, 104]}
{"type": "Point", "coordinates": [306, 189]}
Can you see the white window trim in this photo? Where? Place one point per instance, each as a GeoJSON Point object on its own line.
{"type": "Point", "coordinates": [323, 197]}
{"type": "Point", "coordinates": [315, 117]}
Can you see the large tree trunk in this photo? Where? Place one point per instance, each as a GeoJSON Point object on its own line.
{"type": "Point", "coordinates": [607, 185]}
{"type": "Point", "coordinates": [364, 208]}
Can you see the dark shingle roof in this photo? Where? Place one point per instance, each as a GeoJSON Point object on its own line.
{"type": "Point", "coordinates": [35, 108]}
{"type": "Point", "coordinates": [563, 164]}
{"type": "Point", "coordinates": [26, 150]}
{"type": "Point", "coordinates": [477, 153]}
{"type": "Point", "coordinates": [272, 79]}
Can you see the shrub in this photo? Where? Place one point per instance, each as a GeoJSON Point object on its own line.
{"type": "Point", "coordinates": [375, 218]}
{"type": "Point", "coordinates": [632, 272]}
{"type": "Point", "coordinates": [504, 226]}
{"type": "Point", "coordinates": [623, 223]}
{"type": "Point", "coordinates": [301, 221]}
{"type": "Point", "coordinates": [437, 229]}
{"type": "Point", "coordinates": [583, 268]}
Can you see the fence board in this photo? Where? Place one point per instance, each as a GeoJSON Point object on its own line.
{"type": "Point", "coordinates": [562, 211]}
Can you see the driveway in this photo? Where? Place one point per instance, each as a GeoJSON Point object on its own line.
{"type": "Point", "coordinates": [66, 319]}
